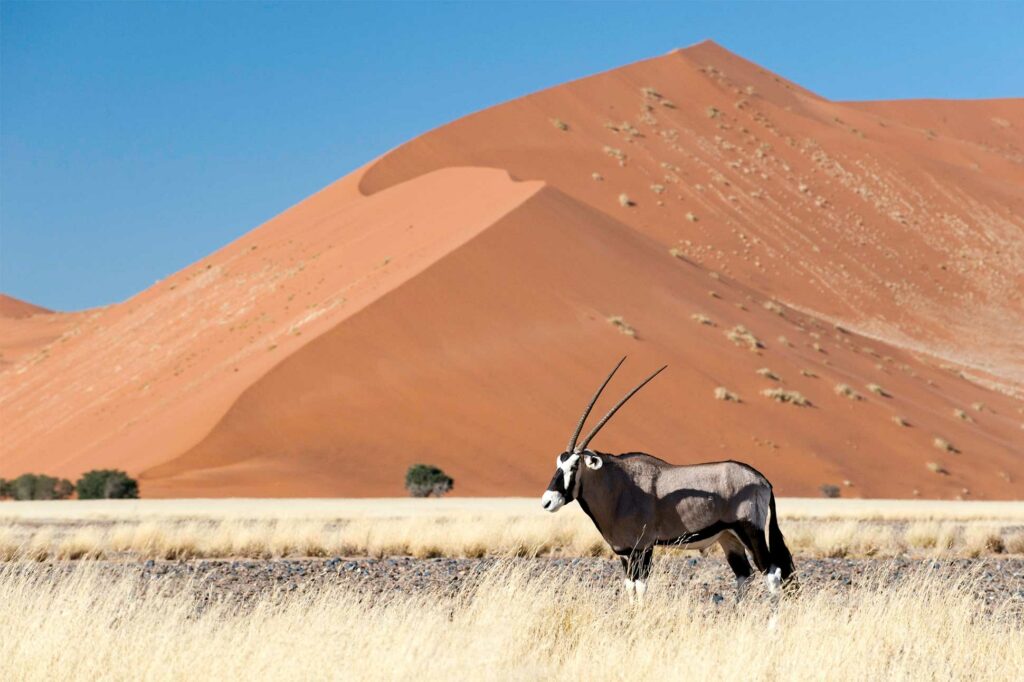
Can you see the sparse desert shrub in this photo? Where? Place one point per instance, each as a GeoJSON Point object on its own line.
{"type": "Point", "coordinates": [677, 252]}
{"type": "Point", "coordinates": [625, 201]}
{"type": "Point", "coordinates": [944, 445]}
{"type": "Point", "coordinates": [781, 395]}
{"type": "Point", "coordinates": [722, 393]}
{"type": "Point", "coordinates": [774, 307]}
{"type": "Point", "coordinates": [692, 217]}
{"type": "Point", "coordinates": [617, 321]}
{"type": "Point", "coordinates": [936, 468]}
{"type": "Point", "coordinates": [878, 390]}
{"type": "Point", "coordinates": [560, 124]}
{"type": "Point", "coordinates": [847, 392]}
{"type": "Point", "coordinates": [829, 490]}
{"type": "Point", "coordinates": [39, 487]}
{"type": "Point", "coordinates": [5, 489]}
{"type": "Point", "coordinates": [1015, 542]}
{"type": "Point", "coordinates": [784, 341]}
{"type": "Point", "coordinates": [960, 414]}
{"type": "Point", "coordinates": [702, 319]}
{"type": "Point", "coordinates": [979, 540]}
{"type": "Point", "coordinates": [978, 407]}
{"type": "Point", "coordinates": [597, 176]}
{"type": "Point", "coordinates": [107, 484]}
{"type": "Point", "coordinates": [808, 373]}
{"type": "Point", "coordinates": [427, 480]}
{"type": "Point", "coordinates": [768, 374]}
{"type": "Point", "coordinates": [742, 336]}
{"type": "Point", "coordinates": [668, 104]}
{"type": "Point", "coordinates": [629, 129]}
{"type": "Point", "coordinates": [615, 154]}
{"type": "Point", "coordinates": [713, 112]}
{"type": "Point", "coordinates": [900, 421]}
{"type": "Point", "coordinates": [650, 92]}
{"type": "Point", "coordinates": [931, 535]}
{"type": "Point", "coordinates": [658, 189]}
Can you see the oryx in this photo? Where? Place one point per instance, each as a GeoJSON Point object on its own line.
{"type": "Point", "coordinates": [638, 501]}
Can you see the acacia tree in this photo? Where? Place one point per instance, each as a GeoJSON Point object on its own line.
{"type": "Point", "coordinates": [427, 480]}
{"type": "Point", "coordinates": [107, 484]}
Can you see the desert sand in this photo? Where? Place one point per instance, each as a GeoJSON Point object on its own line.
{"type": "Point", "coordinates": [457, 300]}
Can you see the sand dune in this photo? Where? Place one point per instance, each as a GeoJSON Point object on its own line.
{"type": "Point", "coordinates": [451, 301]}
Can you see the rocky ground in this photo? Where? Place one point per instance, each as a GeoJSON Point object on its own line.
{"type": "Point", "coordinates": [995, 581]}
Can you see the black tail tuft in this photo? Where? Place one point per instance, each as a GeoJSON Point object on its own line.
{"type": "Point", "coordinates": [777, 549]}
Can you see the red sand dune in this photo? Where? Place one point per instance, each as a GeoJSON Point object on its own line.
{"type": "Point", "coordinates": [450, 303]}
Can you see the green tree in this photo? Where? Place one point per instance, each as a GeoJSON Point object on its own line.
{"type": "Point", "coordinates": [24, 487]}
{"type": "Point", "coordinates": [37, 487]}
{"type": "Point", "coordinates": [427, 480]}
{"type": "Point", "coordinates": [106, 484]}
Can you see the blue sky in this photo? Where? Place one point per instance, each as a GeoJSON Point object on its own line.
{"type": "Point", "coordinates": [136, 138]}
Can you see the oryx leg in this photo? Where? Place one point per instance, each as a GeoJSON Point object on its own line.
{"type": "Point", "coordinates": [754, 539]}
{"type": "Point", "coordinates": [736, 556]}
{"type": "Point", "coordinates": [637, 565]}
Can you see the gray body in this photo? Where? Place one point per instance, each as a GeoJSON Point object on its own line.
{"type": "Point", "coordinates": [638, 501]}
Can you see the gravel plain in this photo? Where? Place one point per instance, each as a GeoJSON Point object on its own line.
{"type": "Point", "coordinates": [995, 581]}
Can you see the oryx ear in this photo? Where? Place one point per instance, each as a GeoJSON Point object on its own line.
{"type": "Point", "coordinates": [592, 461]}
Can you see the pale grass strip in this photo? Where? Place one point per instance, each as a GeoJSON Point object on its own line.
{"type": "Point", "coordinates": [569, 533]}
{"type": "Point", "coordinates": [337, 509]}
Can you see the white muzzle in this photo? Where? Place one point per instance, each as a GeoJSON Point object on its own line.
{"type": "Point", "coordinates": [552, 500]}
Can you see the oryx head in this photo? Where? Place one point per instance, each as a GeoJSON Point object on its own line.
{"type": "Point", "coordinates": [565, 484]}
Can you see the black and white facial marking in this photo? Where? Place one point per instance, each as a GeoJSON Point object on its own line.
{"type": "Point", "coordinates": [565, 484]}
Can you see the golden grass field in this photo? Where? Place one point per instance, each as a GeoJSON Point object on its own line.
{"type": "Point", "coordinates": [465, 527]}
{"type": "Point", "coordinates": [506, 625]}
{"type": "Point", "coordinates": [509, 622]}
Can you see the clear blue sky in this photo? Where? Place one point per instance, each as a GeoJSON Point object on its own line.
{"type": "Point", "coordinates": [136, 138]}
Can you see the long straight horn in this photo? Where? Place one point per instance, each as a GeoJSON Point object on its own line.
{"type": "Point", "coordinates": [586, 412]}
{"type": "Point", "coordinates": [611, 412]}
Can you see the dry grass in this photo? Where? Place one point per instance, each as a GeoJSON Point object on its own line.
{"type": "Point", "coordinates": [722, 393]}
{"type": "Point", "coordinates": [461, 527]}
{"type": "Point", "coordinates": [768, 374]}
{"type": "Point", "coordinates": [560, 124]}
{"type": "Point", "coordinates": [622, 325]}
{"type": "Point", "coordinates": [781, 395]}
{"type": "Point", "coordinates": [944, 445]}
{"type": "Point", "coordinates": [702, 319]}
{"type": "Point", "coordinates": [847, 392]}
{"type": "Point", "coordinates": [742, 336]}
{"type": "Point", "coordinates": [900, 421]}
{"type": "Point", "coordinates": [878, 390]}
{"type": "Point", "coordinates": [615, 153]}
{"type": "Point", "coordinates": [625, 201]}
{"type": "Point", "coordinates": [507, 623]}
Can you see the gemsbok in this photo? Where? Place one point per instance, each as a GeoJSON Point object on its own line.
{"type": "Point", "coordinates": [638, 502]}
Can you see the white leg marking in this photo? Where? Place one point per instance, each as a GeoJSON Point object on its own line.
{"type": "Point", "coordinates": [773, 579]}
{"type": "Point", "coordinates": [641, 590]}
{"type": "Point", "coordinates": [630, 589]}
